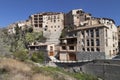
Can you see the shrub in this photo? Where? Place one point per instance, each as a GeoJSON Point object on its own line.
{"type": "Point", "coordinates": [37, 57]}
{"type": "Point", "coordinates": [22, 55]}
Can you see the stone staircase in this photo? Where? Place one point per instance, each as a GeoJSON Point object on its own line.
{"type": "Point", "coordinates": [53, 37]}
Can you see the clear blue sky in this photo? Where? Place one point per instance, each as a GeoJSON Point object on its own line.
{"type": "Point", "coordinates": [17, 10]}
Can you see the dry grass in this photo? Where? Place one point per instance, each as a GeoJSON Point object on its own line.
{"type": "Point", "coordinates": [17, 70]}
{"type": "Point", "coordinates": [41, 77]}
{"type": "Point", "coordinates": [11, 69]}
{"type": "Point", "coordinates": [13, 65]}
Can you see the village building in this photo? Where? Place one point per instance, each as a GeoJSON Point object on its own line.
{"type": "Point", "coordinates": [94, 38]}
{"type": "Point", "coordinates": [50, 23]}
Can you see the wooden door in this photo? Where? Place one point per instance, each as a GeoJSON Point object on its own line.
{"type": "Point", "coordinates": [51, 53]}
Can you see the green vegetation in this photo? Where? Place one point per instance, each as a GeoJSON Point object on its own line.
{"type": "Point", "coordinates": [21, 39]}
{"type": "Point", "coordinates": [37, 57]}
{"type": "Point", "coordinates": [21, 55]}
{"type": "Point", "coordinates": [16, 45]}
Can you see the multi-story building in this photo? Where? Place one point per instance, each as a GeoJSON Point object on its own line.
{"type": "Point", "coordinates": [118, 37]}
{"type": "Point", "coordinates": [88, 37]}
{"type": "Point", "coordinates": [36, 21]}
{"type": "Point", "coordinates": [74, 17]}
{"type": "Point", "coordinates": [50, 23]}
{"type": "Point", "coordinates": [94, 38]}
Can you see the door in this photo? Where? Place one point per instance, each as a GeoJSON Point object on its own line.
{"type": "Point", "coordinates": [72, 56]}
{"type": "Point", "coordinates": [51, 53]}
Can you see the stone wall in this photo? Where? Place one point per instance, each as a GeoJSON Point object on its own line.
{"type": "Point", "coordinates": [104, 69]}
{"type": "Point", "coordinates": [90, 55]}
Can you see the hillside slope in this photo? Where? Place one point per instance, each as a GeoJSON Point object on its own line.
{"type": "Point", "coordinates": [11, 69]}
{"type": "Point", "coordinates": [4, 47]}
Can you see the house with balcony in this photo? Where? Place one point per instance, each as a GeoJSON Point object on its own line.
{"type": "Point", "coordinates": [91, 38]}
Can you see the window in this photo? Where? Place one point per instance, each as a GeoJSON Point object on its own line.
{"type": "Point", "coordinates": [97, 42]}
{"type": "Point", "coordinates": [35, 15]}
{"type": "Point", "coordinates": [40, 25]}
{"type": "Point", "coordinates": [35, 18]}
{"type": "Point", "coordinates": [106, 42]}
{"type": "Point", "coordinates": [91, 32]}
{"type": "Point", "coordinates": [35, 22]}
{"type": "Point", "coordinates": [51, 26]}
{"type": "Point", "coordinates": [51, 48]}
{"type": "Point", "coordinates": [88, 43]}
{"type": "Point", "coordinates": [97, 49]}
{"type": "Point", "coordinates": [82, 34]}
{"type": "Point", "coordinates": [88, 49]}
{"type": "Point", "coordinates": [64, 47]}
{"type": "Point", "coordinates": [45, 29]}
{"type": "Point", "coordinates": [75, 34]}
{"type": "Point", "coordinates": [92, 49]}
{"type": "Point", "coordinates": [87, 32]}
{"type": "Point", "coordinates": [54, 17]}
{"type": "Point", "coordinates": [97, 32]}
{"type": "Point", "coordinates": [113, 45]}
{"type": "Point", "coordinates": [36, 25]}
{"type": "Point", "coordinates": [71, 47]}
{"type": "Point", "coordinates": [54, 20]}
{"type": "Point", "coordinates": [92, 42]}
{"type": "Point", "coordinates": [106, 32]}
{"type": "Point", "coordinates": [83, 49]}
{"type": "Point", "coordinates": [40, 18]}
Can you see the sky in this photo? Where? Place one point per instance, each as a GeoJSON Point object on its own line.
{"type": "Point", "coordinates": [18, 10]}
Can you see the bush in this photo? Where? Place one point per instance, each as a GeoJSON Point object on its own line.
{"type": "Point", "coordinates": [22, 55]}
{"type": "Point", "coordinates": [37, 57]}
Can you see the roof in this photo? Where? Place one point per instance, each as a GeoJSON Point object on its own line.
{"type": "Point", "coordinates": [89, 26]}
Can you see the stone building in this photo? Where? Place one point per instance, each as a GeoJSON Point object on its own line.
{"type": "Point", "coordinates": [36, 21]}
{"type": "Point", "coordinates": [92, 38]}
{"type": "Point", "coordinates": [50, 23]}
{"type": "Point", "coordinates": [74, 17]}
{"type": "Point", "coordinates": [118, 37]}
{"type": "Point", "coordinates": [49, 50]}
